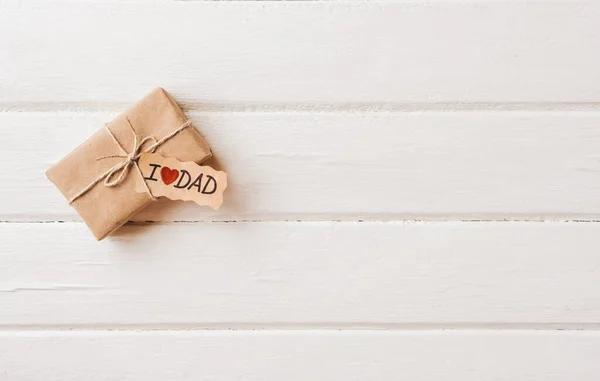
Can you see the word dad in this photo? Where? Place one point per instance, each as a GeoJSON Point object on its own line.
{"type": "Point", "coordinates": [169, 176]}
{"type": "Point", "coordinates": [177, 180]}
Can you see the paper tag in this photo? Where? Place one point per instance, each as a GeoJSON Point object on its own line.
{"type": "Point", "coordinates": [179, 180]}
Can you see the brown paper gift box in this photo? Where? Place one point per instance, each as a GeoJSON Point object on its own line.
{"type": "Point", "coordinates": [104, 209]}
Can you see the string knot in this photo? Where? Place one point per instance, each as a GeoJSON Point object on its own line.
{"type": "Point", "coordinates": [120, 170]}
{"type": "Point", "coordinates": [131, 157]}
{"type": "Point", "coordinates": [117, 173]}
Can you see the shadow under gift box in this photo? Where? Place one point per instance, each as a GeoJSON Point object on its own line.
{"type": "Point", "coordinates": [104, 209]}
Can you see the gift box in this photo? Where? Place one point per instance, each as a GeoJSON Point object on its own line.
{"type": "Point", "coordinates": [99, 177]}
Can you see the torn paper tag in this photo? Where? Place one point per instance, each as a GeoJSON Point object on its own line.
{"type": "Point", "coordinates": [178, 180]}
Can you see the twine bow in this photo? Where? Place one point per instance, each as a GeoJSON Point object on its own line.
{"type": "Point", "coordinates": [130, 159]}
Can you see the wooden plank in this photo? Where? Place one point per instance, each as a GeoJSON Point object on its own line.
{"type": "Point", "coordinates": [331, 166]}
{"type": "Point", "coordinates": [69, 53]}
{"type": "Point", "coordinates": [298, 356]}
{"type": "Point", "coordinates": [323, 274]}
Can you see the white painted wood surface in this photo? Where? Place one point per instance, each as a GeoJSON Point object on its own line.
{"type": "Point", "coordinates": [301, 52]}
{"type": "Point", "coordinates": [324, 114]}
{"type": "Point", "coordinates": [303, 355]}
{"type": "Point", "coordinates": [371, 274]}
{"type": "Point", "coordinates": [347, 166]}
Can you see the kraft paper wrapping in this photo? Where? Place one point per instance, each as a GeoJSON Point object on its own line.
{"type": "Point", "coordinates": [104, 209]}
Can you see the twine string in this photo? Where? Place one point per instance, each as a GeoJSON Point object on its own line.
{"type": "Point", "coordinates": [121, 169]}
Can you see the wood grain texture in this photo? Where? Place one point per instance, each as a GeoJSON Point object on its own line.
{"type": "Point", "coordinates": [344, 166]}
{"type": "Point", "coordinates": [290, 53]}
{"type": "Point", "coordinates": [326, 274]}
{"type": "Point", "coordinates": [336, 111]}
{"type": "Point", "coordinates": [298, 356]}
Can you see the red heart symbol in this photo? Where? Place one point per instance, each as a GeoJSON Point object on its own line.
{"type": "Point", "coordinates": [168, 175]}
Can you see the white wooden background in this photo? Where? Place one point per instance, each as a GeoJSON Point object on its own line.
{"type": "Point", "coordinates": [415, 192]}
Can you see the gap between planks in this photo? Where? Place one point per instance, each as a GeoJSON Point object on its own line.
{"type": "Point", "coordinates": [349, 221]}
{"type": "Point", "coordinates": [372, 107]}
{"type": "Point", "coordinates": [341, 326]}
